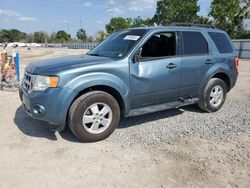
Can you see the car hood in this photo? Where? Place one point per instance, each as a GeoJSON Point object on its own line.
{"type": "Point", "coordinates": [57, 65]}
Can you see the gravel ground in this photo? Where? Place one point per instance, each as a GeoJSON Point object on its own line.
{"type": "Point", "coordinates": [166, 126]}
{"type": "Point", "coordinates": [174, 148]}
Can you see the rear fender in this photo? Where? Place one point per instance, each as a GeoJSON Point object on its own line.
{"type": "Point", "coordinates": [215, 69]}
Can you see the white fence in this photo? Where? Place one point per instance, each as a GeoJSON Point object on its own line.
{"type": "Point", "coordinates": [87, 45]}
{"type": "Point", "coordinates": [243, 47]}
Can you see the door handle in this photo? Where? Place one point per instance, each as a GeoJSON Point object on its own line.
{"type": "Point", "coordinates": [171, 66]}
{"type": "Point", "coordinates": [209, 61]}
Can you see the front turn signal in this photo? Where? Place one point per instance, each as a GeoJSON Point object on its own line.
{"type": "Point", "coordinates": [53, 81]}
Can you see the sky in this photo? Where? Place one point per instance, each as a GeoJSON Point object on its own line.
{"type": "Point", "coordinates": [70, 15]}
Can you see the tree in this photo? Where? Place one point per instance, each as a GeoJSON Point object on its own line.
{"type": "Point", "coordinates": [169, 11]}
{"type": "Point", "coordinates": [40, 37]}
{"type": "Point", "coordinates": [16, 35]}
{"type": "Point", "coordinates": [244, 35]}
{"type": "Point", "coordinates": [52, 37]}
{"type": "Point", "coordinates": [203, 20]}
{"type": "Point", "coordinates": [118, 23]}
{"type": "Point", "coordinates": [101, 35]}
{"type": "Point", "coordinates": [89, 38]}
{"type": "Point", "coordinates": [62, 36]}
{"type": "Point", "coordinates": [140, 22]}
{"type": "Point", "coordinates": [4, 36]}
{"type": "Point", "coordinates": [230, 14]}
{"type": "Point", "coordinates": [81, 35]}
{"type": "Point", "coordinates": [12, 35]}
{"type": "Point", "coordinates": [245, 8]}
{"type": "Point", "coordinates": [30, 38]}
{"type": "Point", "coordinates": [149, 22]}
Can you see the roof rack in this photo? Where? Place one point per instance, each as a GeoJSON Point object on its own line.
{"type": "Point", "coordinates": [193, 25]}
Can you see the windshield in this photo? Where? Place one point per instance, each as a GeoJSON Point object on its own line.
{"type": "Point", "coordinates": [118, 44]}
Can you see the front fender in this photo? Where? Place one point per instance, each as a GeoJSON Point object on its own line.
{"type": "Point", "coordinates": [93, 79]}
{"type": "Point", "coordinates": [96, 79]}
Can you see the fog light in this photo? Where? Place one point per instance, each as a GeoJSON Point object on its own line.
{"type": "Point", "coordinates": [39, 110]}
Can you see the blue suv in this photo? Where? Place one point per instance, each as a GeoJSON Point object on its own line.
{"type": "Point", "coordinates": [133, 72]}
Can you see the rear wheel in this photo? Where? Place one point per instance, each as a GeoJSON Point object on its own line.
{"type": "Point", "coordinates": [94, 116]}
{"type": "Point", "coordinates": [213, 96]}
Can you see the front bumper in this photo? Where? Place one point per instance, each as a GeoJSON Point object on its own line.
{"type": "Point", "coordinates": [52, 102]}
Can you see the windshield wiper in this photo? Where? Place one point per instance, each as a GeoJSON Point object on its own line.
{"type": "Point", "coordinates": [94, 54]}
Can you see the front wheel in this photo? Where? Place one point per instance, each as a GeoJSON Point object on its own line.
{"type": "Point", "coordinates": [94, 116]}
{"type": "Point", "coordinates": [213, 96]}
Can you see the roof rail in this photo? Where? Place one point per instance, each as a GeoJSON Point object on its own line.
{"type": "Point", "coordinates": [193, 25]}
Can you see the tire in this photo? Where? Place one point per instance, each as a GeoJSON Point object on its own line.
{"type": "Point", "coordinates": [89, 107]}
{"type": "Point", "coordinates": [206, 103]}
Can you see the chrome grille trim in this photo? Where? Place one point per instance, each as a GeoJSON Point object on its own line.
{"type": "Point", "coordinates": [27, 82]}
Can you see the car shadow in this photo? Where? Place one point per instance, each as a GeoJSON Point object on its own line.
{"type": "Point", "coordinates": [137, 120]}
{"type": "Point", "coordinates": [32, 127]}
{"type": "Point", "coordinates": [68, 135]}
{"type": "Point", "coordinates": [40, 129]}
{"type": "Point", "coordinates": [193, 108]}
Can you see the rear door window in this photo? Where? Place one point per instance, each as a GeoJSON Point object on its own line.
{"type": "Point", "coordinates": [221, 41]}
{"type": "Point", "coordinates": [194, 43]}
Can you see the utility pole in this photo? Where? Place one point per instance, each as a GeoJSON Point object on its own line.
{"type": "Point", "coordinates": [81, 21]}
{"type": "Point", "coordinates": [68, 27]}
{"type": "Point", "coordinates": [81, 27]}
{"type": "Point", "coordinates": [111, 11]}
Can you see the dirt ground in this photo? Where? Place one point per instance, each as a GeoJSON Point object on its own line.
{"type": "Point", "coordinates": [33, 156]}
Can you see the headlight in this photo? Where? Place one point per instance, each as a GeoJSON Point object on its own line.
{"type": "Point", "coordinates": [41, 83]}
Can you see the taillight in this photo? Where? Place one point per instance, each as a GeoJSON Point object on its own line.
{"type": "Point", "coordinates": [236, 63]}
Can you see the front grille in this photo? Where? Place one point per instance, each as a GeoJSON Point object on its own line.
{"type": "Point", "coordinates": [27, 82]}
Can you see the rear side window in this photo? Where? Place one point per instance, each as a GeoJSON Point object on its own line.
{"type": "Point", "coordinates": [221, 41]}
{"type": "Point", "coordinates": [194, 43]}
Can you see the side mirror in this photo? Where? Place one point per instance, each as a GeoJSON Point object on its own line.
{"type": "Point", "coordinates": [138, 56]}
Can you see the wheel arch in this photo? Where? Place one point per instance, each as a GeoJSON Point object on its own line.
{"type": "Point", "coordinates": [223, 76]}
{"type": "Point", "coordinates": [216, 71]}
{"type": "Point", "coordinates": [105, 88]}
